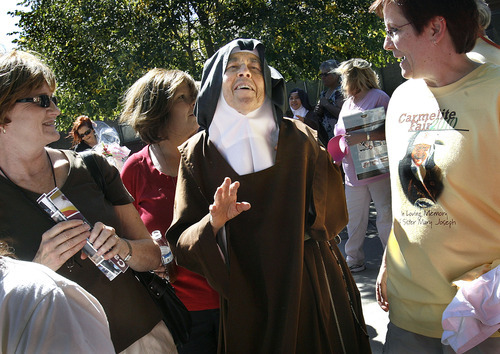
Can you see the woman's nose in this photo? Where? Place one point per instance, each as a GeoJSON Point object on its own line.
{"type": "Point", "coordinates": [244, 71]}
{"type": "Point", "coordinates": [388, 45]}
{"type": "Point", "coordinates": [54, 108]}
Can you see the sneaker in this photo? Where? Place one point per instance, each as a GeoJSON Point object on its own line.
{"type": "Point", "coordinates": [357, 268]}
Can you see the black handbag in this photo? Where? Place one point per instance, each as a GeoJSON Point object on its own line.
{"type": "Point", "coordinates": [174, 314]}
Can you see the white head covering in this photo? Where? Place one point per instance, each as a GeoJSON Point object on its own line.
{"type": "Point", "coordinates": [302, 111]}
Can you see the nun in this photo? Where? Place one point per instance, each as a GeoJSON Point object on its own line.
{"type": "Point", "coordinates": [258, 208]}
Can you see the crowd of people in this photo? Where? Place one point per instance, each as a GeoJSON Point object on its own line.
{"type": "Point", "coordinates": [251, 202]}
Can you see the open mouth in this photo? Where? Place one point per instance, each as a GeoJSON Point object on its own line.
{"type": "Point", "coordinates": [242, 87]}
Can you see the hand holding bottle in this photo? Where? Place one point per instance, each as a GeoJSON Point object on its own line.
{"type": "Point", "coordinates": [169, 266]}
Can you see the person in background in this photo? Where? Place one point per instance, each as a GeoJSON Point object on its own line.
{"type": "Point", "coordinates": [284, 286]}
{"type": "Point", "coordinates": [301, 109]}
{"type": "Point", "coordinates": [100, 138]}
{"type": "Point", "coordinates": [33, 297]}
{"type": "Point", "coordinates": [440, 127]}
{"type": "Point", "coordinates": [159, 107]}
{"type": "Point", "coordinates": [485, 50]}
{"type": "Point", "coordinates": [361, 88]}
{"type": "Point", "coordinates": [331, 99]}
{"type": "Point", "coordinates": [28, 168]}
{"type": "Point", "coordinates": [83, 134]}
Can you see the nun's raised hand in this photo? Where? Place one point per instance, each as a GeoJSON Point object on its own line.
{"type": "Point", "coordinates": [225, 206]}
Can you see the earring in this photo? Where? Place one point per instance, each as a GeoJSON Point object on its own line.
{"type": "Point", "coordinates": [4, 131]}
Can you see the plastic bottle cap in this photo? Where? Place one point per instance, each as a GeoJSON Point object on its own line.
{"type": "Point", "coordinates": [156, 234]}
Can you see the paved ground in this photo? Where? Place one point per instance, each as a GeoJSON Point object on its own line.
{"type": "Point", "coordinates": [376, 319]}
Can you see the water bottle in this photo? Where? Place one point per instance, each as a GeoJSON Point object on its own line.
{"type": "Point", "coordinates": [167, 258]}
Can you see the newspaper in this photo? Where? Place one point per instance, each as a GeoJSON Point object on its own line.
{"type": "Point", "coordinates": [60, 208]}
{"type": "Point", "coordinates": [370, 157]}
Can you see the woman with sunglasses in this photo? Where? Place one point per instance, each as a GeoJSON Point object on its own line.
{"type": "Point", "coordinates": [83, 134]}
{"type": "Point", "coordinates": [28, 168]}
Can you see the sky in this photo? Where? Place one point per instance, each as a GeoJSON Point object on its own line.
{"type": "Point", "coordinates": [7, 24]}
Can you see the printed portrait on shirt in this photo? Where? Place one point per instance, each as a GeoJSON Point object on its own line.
{"type": "Point", "coordinates": [420, 177]}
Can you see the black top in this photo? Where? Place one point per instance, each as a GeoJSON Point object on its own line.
{"type": "Point", "coordinates": [82, 146]}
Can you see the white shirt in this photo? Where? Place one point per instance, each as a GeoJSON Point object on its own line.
{"type": "Point", "coordinates": [43, 312]}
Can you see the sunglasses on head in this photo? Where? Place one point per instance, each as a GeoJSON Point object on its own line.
{"type": "Point", "coordinates": [42, 100]}
{"type": "Point", "coordinates": [84, 134]}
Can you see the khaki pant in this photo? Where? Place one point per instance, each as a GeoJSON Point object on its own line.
{"type": "Point", "coordinates": [400, 341]}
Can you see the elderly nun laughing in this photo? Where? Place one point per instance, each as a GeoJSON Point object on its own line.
{"type": "Point", "coordinates": [258, 206]}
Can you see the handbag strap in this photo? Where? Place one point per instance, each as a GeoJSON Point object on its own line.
{"type": "Point", "coordinates": [90, 161]}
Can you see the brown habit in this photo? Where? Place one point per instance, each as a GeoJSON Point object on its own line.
{"type": "Point", "coordinates": [277, 285]}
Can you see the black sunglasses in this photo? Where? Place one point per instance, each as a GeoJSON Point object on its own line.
{"type": "Point", "coordinates": [83, 135]}
{"type": "Point", "coordinates": [42, 100]}
{"type": "Point", "coordinates": [324, 74]}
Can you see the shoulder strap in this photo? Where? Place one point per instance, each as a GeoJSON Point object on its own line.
{"type": "Point", "coordinates": [94, 170]}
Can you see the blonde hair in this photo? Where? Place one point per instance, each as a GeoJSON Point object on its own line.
{"type": "Point", "coordinates": [20, 74]}
{"type": "Point", "coordinates": [147, 103]}
{"type": "Point", "coordinates": [6, 250]}
{"type": "Point", "coordinates": [357, 75]}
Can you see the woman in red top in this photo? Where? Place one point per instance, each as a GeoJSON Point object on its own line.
{"type": "Point", "coordinates": [159, 106]}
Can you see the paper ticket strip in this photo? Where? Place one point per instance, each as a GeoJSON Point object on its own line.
{"type": "Point", "coordinates": [60, 208]}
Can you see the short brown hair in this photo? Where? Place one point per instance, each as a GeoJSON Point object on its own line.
{"type": "Point", "coordinates": [147, 103]}
{"type": "Point", "coordinates": [357, 74]}
{"type": "Point", "coordinates": [461, 17]}
{"type": "Point", "coordinates": [20, 74]}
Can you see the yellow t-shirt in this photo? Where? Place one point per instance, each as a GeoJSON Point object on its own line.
{"type": "Point", "coordinates": [485, 51]}
{"type": "Point", "coordinates": [444, 163]}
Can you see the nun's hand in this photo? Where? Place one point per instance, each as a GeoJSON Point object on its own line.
{"type": "Point", "coordinates": [225, 206]}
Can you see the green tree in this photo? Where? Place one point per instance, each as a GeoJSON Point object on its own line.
{"type": "Point", "coordinates": [98, 48]}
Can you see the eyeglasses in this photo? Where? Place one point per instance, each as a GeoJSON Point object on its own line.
{"type": "Point", "coordinates": [42, 100]}
{"type": "Point", "coordinates": [84, 134]}
{"type": "Point", "coordinates": [324, 74]}
{"type": "Point", "coordinates": [393, 30]}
